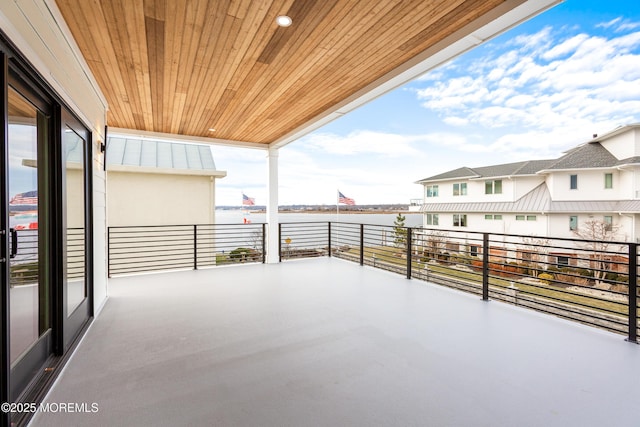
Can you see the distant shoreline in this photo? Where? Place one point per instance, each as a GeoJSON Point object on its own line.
{"type": "Point", "coordinates": [367, 212]}
{"type": "Point", "coordinates": [334, 212]}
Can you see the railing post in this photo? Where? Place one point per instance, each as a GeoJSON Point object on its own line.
{"type": "Point", "coordinates": [195, 247]}
{"type": "Point", "coordinates": [109, 252]}
{"type": "Point", "coordinates": [361, 244]}
{"type": "Point", "coordinates": [264, 243]}
{"type": "Point", "coordinates": [329, 236]}
{"type": "Point", "coordinates": [409, 250]}
{"type": "Point", "coordinates": [633, 293]}
{"type": "Point", "coordinates": [485, 266]}
{"type": "Point", "coordinates": [279, 242]}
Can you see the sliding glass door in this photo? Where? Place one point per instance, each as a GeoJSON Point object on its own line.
{"type": "Point", "coordinates": [45, 234]}
{"type": "Point", "coordinates": [30, 302]}
{"type": "Point", "coordinates": [76, 298]}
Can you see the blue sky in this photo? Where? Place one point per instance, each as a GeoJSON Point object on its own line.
{"type": "Point", "coordinates": [530, 93]}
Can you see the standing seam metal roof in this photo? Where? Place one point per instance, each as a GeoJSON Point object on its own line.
{"type": "Point", "coordinates": [159, 154]}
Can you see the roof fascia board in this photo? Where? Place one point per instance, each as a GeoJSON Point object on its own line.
{"type": "Point", "coordinates": [499, 20]}
{"type": "Point", "coordinates": [548, 171]}
{"type": "Point", "coordinates": [618, 131]}
{"type": "Point", "coordinates": [166, 171]}
{"type": "Point", "coordinates": [171, 137]}
{"type": "Point", "coordinates": [429, 181]}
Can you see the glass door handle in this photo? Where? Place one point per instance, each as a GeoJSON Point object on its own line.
{"type": "Point", "coordinates": [14, 243]}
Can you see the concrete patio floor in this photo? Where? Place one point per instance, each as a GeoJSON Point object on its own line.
{"type": "Point", "coordinates": [325, 342]}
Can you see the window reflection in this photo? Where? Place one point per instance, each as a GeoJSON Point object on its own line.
{"type": "Point", "coordinates": [74, 147]}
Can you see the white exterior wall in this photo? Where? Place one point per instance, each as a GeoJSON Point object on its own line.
{"type": "Point", "coordinates": [135, 199]}
{"type": "Point", "coordinates": [590, 185]}
{"type": "Point", "coordinates": [38, 31]}
{"type": "Point", "coordinates": [625, 145]}
{"type": "Point", "coordinates": [523, 185]}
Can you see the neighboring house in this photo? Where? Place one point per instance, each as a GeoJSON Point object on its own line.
{"type": "Point", "coordinates": [597, 180]}
{"type": "Point", "coordinates": [160, 183]}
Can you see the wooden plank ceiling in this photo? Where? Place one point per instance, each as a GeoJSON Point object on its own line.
{"type": "Point", "coordinates": [187, 66]}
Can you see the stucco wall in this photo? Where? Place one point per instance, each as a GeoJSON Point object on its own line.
{"type": "Point", "coordinates": [158, 199]}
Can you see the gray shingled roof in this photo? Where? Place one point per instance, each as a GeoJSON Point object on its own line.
{"type": "Point", "coordinates": [591, 155]}
{"type": "Point", "coordinates": [158, 154]}
{"type": "Point", "coordinates": [463, 172]}
{"type": "Point", "coordinates": [628, 161]}
{"type": "Point", "coordinates": [529, 167]}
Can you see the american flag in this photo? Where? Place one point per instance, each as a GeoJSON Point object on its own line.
{"type": "Point", "coordinates": [345, 200]}
{"type": "Point", "coordinates": [248, 201]}
{"type": "Point", "coordinates": [27, 198]}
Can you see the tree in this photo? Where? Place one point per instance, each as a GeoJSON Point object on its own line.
{"type": "Point", "coordinates": [534, 250]}
{"type": "Point", "coordinates": [434, 243]}
{"type": "Point", "coordinates": [598, 236]}
{"type": "Point", "coordinates": [400, 231]}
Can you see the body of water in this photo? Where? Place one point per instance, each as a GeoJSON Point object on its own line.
{"type": "Point", "coordinates": [238, 217]}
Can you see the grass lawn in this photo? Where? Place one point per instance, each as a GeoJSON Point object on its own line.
{"type": "Point", "coordinates": [392, 256]}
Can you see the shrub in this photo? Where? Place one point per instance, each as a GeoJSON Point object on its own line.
{"type": "Point", "coordinates": [545, 278]}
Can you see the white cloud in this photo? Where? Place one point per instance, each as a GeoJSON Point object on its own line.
{"type": "Point", "coordinates": [362, 142]}
{"type": "Point", "coordinates": [619, 24]}
{"type": "Point", "coordinates": [540, 84]}
{"type": "Point", "coordinates": [609, 23]}
{"type": "Point", "coordinates": [456, 121]}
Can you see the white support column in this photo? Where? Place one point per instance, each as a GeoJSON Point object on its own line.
{"type": "Point", "coordinates": [272, 207]}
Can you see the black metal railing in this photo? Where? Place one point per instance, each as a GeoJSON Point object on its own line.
{"type": "Point", "coordinates": [592, 282]}
{"type": "Point", "coordinates": [136, 249]}
{"type": "Point", "coordinates": [24, 265]}
{"type": "Point", "coordinates": [303, 239]}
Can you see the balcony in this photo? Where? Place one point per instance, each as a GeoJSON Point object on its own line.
{"type": "Point", "coordinates": [319, 340]}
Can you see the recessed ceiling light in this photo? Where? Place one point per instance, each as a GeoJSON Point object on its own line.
{"type": "Point", "coordinates": [212, 130]}
{"type": "Point", "coordinates": [283, 20]}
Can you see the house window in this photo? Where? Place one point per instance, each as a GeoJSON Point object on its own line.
{"type": "Point", "coordinates": [460, 189]}
{"type": "Point", "coordinates": [562, 261]}
{"type": "Point", "coordinates": [573, 222]}
{"type": "Point", "coordinates": [608, 222]}
{"type": "Point", "coordinates": [432, 191]}
{"type": "Point", "coordinates": [608, 180]}
{"type": "Point", "coordinates": [519, 217]}
{"type": "Point", "coordinates": [432, 219]}
{"type": "Point", "coordinates": [494, 217]}
{"type": "Point", "coordinates": [459, 220]}
{"type": "Point", "coordinates": [573, 182]}
{"type": "Point", "coordinates": [493, 187]}
{"type": "Point", "coordinates": [531, 217]}
{"type": "Point", "coordinates": [474, 250]}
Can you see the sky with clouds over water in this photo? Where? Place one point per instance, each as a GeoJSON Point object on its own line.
{"type": "Point", "coordinates": [531, 93]}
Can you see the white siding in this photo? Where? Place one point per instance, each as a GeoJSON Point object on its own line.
{"type": "Point", "coordinates": [625, 145]}
{"type": "Point", "coordinates": [590, 185]}
{"type": "Point", "coordinates": [38, 31]}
